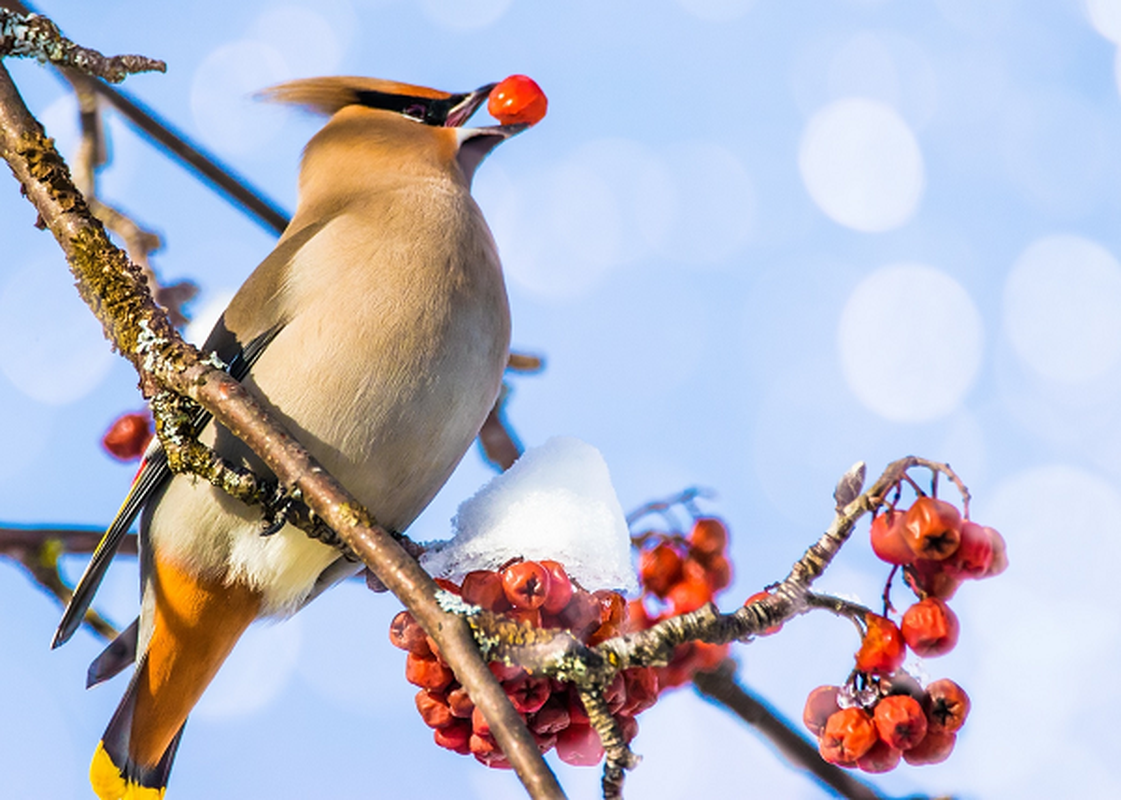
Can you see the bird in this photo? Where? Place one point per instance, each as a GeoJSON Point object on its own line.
{"type": "Point", "coordinates": [377, 331]}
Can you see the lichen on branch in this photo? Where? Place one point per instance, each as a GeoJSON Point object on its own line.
{"type": "Point", "coordinates": [35, 36]}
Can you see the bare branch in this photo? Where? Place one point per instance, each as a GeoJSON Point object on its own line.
{"type": "Point", "coordinates": [721, 686]}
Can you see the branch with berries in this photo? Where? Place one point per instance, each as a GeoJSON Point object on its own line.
{"type": "Point", "coordinates": [580, 666]}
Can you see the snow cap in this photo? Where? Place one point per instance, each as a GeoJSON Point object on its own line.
{"type": "Point", "coordinates": [556, 502]}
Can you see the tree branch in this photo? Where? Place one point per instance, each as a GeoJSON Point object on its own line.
{"type": "Point", "coordinates": [721, 686]}
{"type": "Point", "coordinates": [117, 293]}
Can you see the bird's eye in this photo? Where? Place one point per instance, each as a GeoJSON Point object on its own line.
{"type": "Point", "coordinates": [416, 111]}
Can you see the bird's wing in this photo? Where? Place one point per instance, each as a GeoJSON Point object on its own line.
{"type": "Point", "coordinates": [153, 474]}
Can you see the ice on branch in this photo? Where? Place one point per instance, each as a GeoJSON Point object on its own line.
{"type": "Point", "coordinates": [556, 502]}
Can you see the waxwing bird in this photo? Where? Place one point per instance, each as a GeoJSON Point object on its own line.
{"type": "Point", "coordinates": [378, 331]}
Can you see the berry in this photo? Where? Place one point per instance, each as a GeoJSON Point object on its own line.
{"type": "Point", "coordinates": [760, 596]}
{"type": "Point", "coordinates": [406, 633]}
{"type": "Point", "coordinates": [527, 694]}
{"type": "Point", "coordinates": [820, 706]}
{"type": "Point", "coordinates": [517, 99]}
{"type": "Point", "coordinates": [460, 703]}
{"type": "Point", "coordinates": [427, 673]}
{"type": "Point", "coordinates": [454, 737]}
{"type": "Point", "coordinates": [690, 594]}
{"type": "Point", "coordinates": [930, 628]}
{"type": "Point", "coordinates": [882, 757]}
{"type": "Point", "coordinates": [900, 721]}
{"type": "Point", "coordinates": [933, 578]}
{"type": "Point", "coordinates": [882, 651]}
{"type": "Point", "coordinates": [709, 536]}
{"type": "Point", "coordinates": [848, 734]}
{"type": "Point", "coordinates": [641, 690]}
{"type": "Point", "coordinates": [1000, 554]}
{"type": "Point", "coordinates": [552, 718]}
{"type": "Point", "coordinates": [560, 587]}
{"type": "Point", "coordinates": [975, 553]}
{"type": "Point", "coordinates": [889, 541]}
{"type": "Point", "coordinates": [526, 584]}
{"type": "Point", "coordinates": [659, 568]}
{"type": "Point", "coordinates": [579, 746]}
{"type": "Point", "coordinates": [128, 437]}
{"type": "Point", "coordinates": [933, 528]}
{"type": "Point", "coordinates": [934, 749]}
{"type": "Point", "coordinates": [946, 705]}
{"type": "Point", "coordinates": [718, 571]}
{"type": "Point", "coordinates": [485, 588]}
{"type": "Point", "coordinates": [433, 708]}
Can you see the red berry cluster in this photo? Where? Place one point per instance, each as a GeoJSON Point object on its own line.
{"type": "Point", "coordinates": [681, 574]}
{"type": "Point", "coordinates": [539, 594]}
{"type": "Point", "coordinates": [893, 719]}
{"type": "Point", "coordinates": [936, 547]}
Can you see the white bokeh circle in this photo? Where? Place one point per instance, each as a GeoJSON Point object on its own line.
{"type": "Point", "coordinates": [465, 14]}
{"type": "Point", "coordinates": [1061, 308]}
{"type": "Point", "coordinates": [1105, 16]}
{"type": "Point", "coordinates": [51, 347]}
{"type": "Point", "coordinates": [862, 164]}
{"type": "Point", "coordinates": [716, 10]}
{"type": "Point", "coordinates": [222, 93]}
{"type": "Point", "coordinates": [910, 343]}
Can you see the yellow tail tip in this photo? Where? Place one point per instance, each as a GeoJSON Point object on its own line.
{"type": "Point", "coordinates": [109, 784]}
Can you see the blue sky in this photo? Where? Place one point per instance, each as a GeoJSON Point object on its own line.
{"type": "Point", "coordinates": [756, 241]}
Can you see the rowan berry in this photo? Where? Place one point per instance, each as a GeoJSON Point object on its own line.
{"type": "Point", "coordinates": [517, 99]}
{"type": "Point", "coordinates": [581, 615]}
{"type": "Point", "coordinates": [761, 596]}
{"type": "Point", "coordinates": [900, 721]}
{"type": "Point", "coordinates": [560, 587]}
{"type": "Point", "coordinates": [930, 628]}
{"type": "Point", "coordinates": [526, 584]}
{"type": "Point", "coordinates": [427, 673]}
{"type": "Point", "coordinates": [689, 595]}
{"type": "Point", "coordinates": [527, 693]}
{"type": "Point", "coordinates": [718, 571]}
{"type": "Point", "coordinates": [933, 528]}
{"type": "Point", "coordinates": [820, 706]}
{"type": "Point", "coordinates": [709, 536]}
{"type": "Point", "coordinates": [485, 588]}
{"type": "Point", "coordinates": [433, 708]}
{"type": "Point", "coordinates": [882, 757]}
{"type": "Point", "coordinates": [975, 553]}
{"type": "Point", "coordinates": [933, 578]}
{"type": "Point", "coordinates": [128, 437]}
{"type": "Point", "coordinates": [454, 736]}
{"type": "Point", "coordinates": [460, 703]}
{"type": "Point", "coordinates": [946, 705]}
{"type": "Point", "coordinates": [579, 745]}
{"type": "Point", "coordinates": [934, 749]}
{"type": "Point", "coordinates": [642, 689]}
{"type": "Point", "coordinates": [849, 734]}
{"type": "Point", "coordinates": [553, 717]}
{"type": "Point", "coordinates": [659, 568]}
{"type": "Point", "coordinates": [888, 535]}
{"type": "Point", "coordinates": [882, 650]}
{"type": "Point", "coordinates": [1000, 554]}
{"type": "Point", "coordinates": [406, 634]}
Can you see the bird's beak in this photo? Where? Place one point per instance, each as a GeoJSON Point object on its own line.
{"type": "Point", "coordinates": [475, 144]}
{"type": "Point", "coordinates": [465, 105]}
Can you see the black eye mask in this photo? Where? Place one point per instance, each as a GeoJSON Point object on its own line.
{"type": "Point", "coordinates": [430, 111]}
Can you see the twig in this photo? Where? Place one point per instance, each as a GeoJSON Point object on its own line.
{"type": "Point", "coordinates": [117, 293]}
{"type": "Point", "coordinates": [37, 550]}
{"type": "Point", "coordinates": [33, 36]}
{"type": "Point", "coordinates": [721, 686]}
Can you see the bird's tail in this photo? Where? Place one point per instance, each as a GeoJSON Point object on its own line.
{"type": "Point", "coordinates": [113, 774]}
